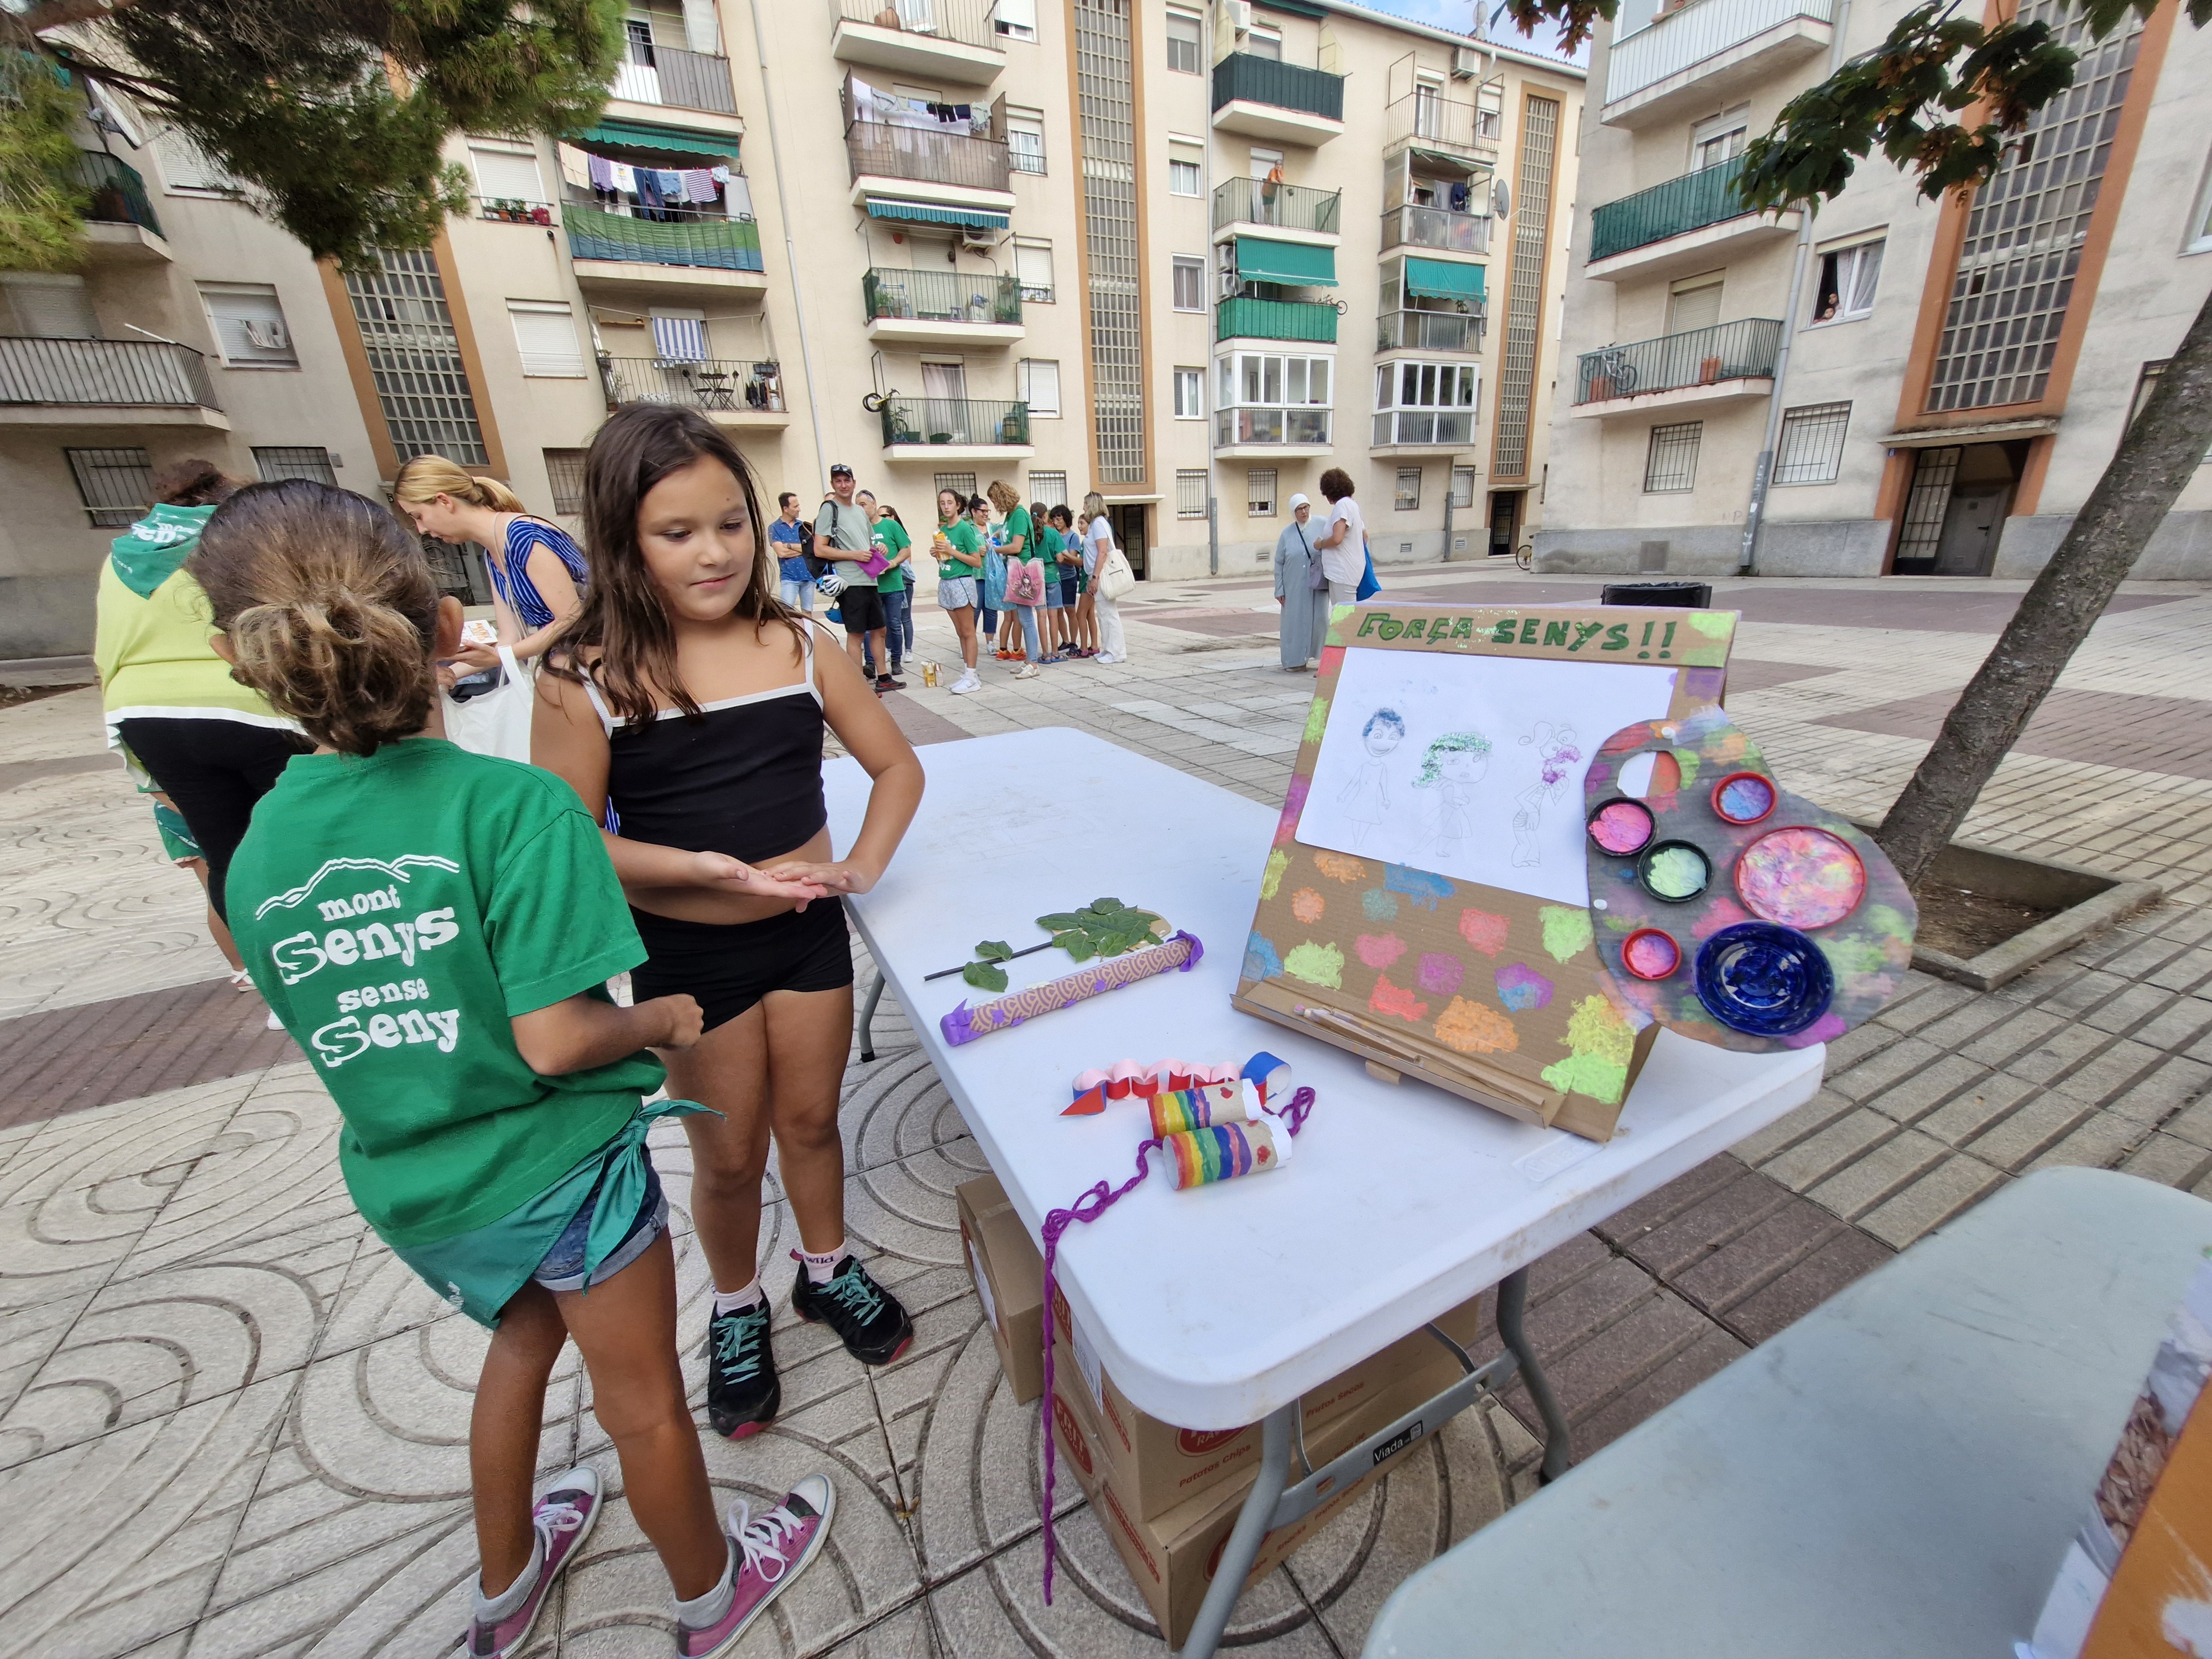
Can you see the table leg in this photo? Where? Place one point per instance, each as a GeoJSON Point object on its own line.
{"type": "Point", "coordinates": [1242, 1547]}
{"type": "Point", "coordinates": [868, 1017]}
{"type": "Point", "coordinates": [1512, 1301]}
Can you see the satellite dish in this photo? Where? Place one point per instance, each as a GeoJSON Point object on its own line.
{"type": "Point", "coordinates": [1501, 199]}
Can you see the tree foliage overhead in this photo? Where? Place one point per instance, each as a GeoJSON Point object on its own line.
{"type": "Point", "coordinates": [40, 197]}
{"type": "Point", "coordinates": [333, 114]}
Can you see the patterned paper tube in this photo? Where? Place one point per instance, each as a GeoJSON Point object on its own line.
{"type": "Point", "coordinates": [965, 1024]}
{"type": "Point", "coordinates": [1178, 1110]}
{"type": "Point", "coordinates": [1199, 1157]}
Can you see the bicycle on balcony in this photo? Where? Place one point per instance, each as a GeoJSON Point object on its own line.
{"type": "Point", "coordinates": [1610, 366]}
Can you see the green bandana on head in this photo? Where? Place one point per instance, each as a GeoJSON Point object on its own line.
{"type": "Point", "coordinates": [147, 554]}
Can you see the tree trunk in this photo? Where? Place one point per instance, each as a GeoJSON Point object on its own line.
{"type": "Point", "coordinates": [2156, 457]}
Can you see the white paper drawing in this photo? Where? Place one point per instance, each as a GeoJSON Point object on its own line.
{"type": "Point", "coordinates": [1462, 823]}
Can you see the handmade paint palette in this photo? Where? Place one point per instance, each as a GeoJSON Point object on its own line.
{"type": "Point", "coordinates": [1726, 908]}
{"type": "Point", "coordinates": [1425, 902]}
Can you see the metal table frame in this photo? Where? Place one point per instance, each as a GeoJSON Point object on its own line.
{"type": "Point", "coordinates": [1274, 1502]}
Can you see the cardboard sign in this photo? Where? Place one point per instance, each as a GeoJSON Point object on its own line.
{"type": "Point", "coordinates": [1425, 904]}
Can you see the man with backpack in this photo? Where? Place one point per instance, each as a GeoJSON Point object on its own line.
{"type": "Point", "coordinates": [842, 535]}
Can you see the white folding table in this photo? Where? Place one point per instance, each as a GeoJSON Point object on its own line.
{"type": "Point", "coordinates": [1220, 1307]}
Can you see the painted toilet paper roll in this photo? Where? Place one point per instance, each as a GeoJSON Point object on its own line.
{"type": "Point", "coordinates": [1199, 1157]}
{"type": "Point", "coordinates": [1178, 1111]}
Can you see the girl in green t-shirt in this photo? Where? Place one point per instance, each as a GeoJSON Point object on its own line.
{"type": "Point", "coordinates": [435, 928]}
{"type": "Point", "coordinates": [958, 547]}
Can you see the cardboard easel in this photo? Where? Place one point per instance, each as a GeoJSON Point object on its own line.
{"type": "Point", "coordinates": [1489, 993]}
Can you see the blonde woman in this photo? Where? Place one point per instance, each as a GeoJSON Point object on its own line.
{"type": "Point", "coordinates": [1097, 547]}
{"type": "Point", "coordinates": [536, 568]}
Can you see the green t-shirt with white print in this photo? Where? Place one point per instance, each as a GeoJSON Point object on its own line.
{"type": "Point", "coordinates": [396, 910]}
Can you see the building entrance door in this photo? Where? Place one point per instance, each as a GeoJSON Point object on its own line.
{"type": "Point", "coordinates": [1504, 522]}
{"type": "Point", "coordinates": [1954, 513]}
{"type": "Point", "coordinates": [1128, 522]}
{"type": "Point", "coordinates": [1969, 543]}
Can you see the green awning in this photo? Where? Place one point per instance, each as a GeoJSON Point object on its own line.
{"type": "Point", "coordinates": [880, 207]}
{"type": "Point", "coordinates": [669, 141]}
{"type": "Point", "coordinates": [1442, 279]}
{"type": "Point", "coordinates": [1299, 264]}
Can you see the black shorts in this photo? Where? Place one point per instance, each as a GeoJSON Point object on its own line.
{"type": "Point", "coordinates": [862, 609]}
{"type": "Point", "coordinates": [728, 967]}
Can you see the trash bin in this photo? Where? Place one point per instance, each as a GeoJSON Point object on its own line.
{"type": "Point", "coordinates": [1687, 596]}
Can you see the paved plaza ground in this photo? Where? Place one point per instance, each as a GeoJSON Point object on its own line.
{"type": "Point", "coordinates": [231, 1424]}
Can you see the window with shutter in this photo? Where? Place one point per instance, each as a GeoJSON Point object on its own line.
{"type": "Point", "coordinates": [545, 334]}
{"type": "Point", "coordinates": [506, 175]}
{"type": "Point", "coordinates": [1033, 270]}
{"type": "Point", "coordinates": [47, 307]}
{"type": "Point", "coordinates": [1040, 384]}
{"type": "Point", "coordinates": [186, 167]}
{"type": "Point", "coordinates": [249, 326]}
{"type": "Point", "coordinates": [679, 336]}
{"type": "Point", "coordinates": [1016, 19]}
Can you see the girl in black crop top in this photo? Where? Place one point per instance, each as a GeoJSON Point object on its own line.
{"type": "Point", "coordinates": [686, 706]}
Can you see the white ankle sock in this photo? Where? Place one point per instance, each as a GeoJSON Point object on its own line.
{"type": "Point", "coordinates": [489, 1610]}
{"type": "Point", "coordinates": [729, 1301]}
{"type": "Point", "coordinates": [707, 1609]}
{"type": "Point", "coordinates": [820, 1268]}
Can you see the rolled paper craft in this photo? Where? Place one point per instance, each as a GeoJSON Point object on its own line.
{"type": "Point", "coordinates": [1089, 1103]}
{"type": "Point", "coordinates": [1271, 1074]}
{"type": "Point", "coordinates": [1178, 1073]}
{"type": "Point", "coordinates": [1223, 1072]}
{"type": "Point", "coordinates": [1122, 1080]}
{"type": "Point", "coordinates": [1199, 1157]}
{"type": "Point", "coordinates": [1180, 953]}
{"type": "Point", "coordinates": [1175, 1110]}
{"type": "Point", "coordinates": [1086, 1081]}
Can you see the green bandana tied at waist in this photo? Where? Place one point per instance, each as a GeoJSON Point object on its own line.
{"type": "Point", "coordinates": [478, 1272]}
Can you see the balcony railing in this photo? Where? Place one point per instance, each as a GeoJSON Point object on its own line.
{"type": "Point", "coordinates": [1300, 424]}
{"type": "Point", "coordinates": [941, 296]}
{"type": "Point", "coordinates": [1691, 33]}
{"type": "Point", "coordinates": [926, 421]}
{"type": "Point", "coordinates": [715, 244]}
{"type": "Point", "coordinates": [709, 384]}
{"type": "Point", "coordinates": [970, 23]}
{"type": "Point", "coordinates": [1284, 86]}
{"type": "Point", "coordinates": [1428, 120]}
{"type": "Point", "coordinates": [1689, 202]}
{"type": "Point", "coordinates": [118, 194]}
{"type": "Point", "coordinates": [679, 79]}
{"type": "Point", "coordinates": [1241, 318]}
{"type": "Point", "coordinates": [1288, 206]}
{"type": "Point", "coordinates": [1423, 426]}
{"type": "Point", "coordinates": [1740, 350]}
{"type": "Point", "coordinates": [1411, 226]}
{"type": "Point", "coordinates": [1429, 330]}
{"type": "Point", "coordinates": [142, 373]}
{"type": "Point", "coordinates": [879, 149]}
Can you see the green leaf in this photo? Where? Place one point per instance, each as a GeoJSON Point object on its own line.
{"type": "Point", "coordinates": [1106, 905]}
{"type": "Point", "coordinates": [1080, 947]}
{"type": "Point", "coordinates": [985, 975]}
{"type": "Point", "coordinates": [995, 950]}
{"type": "Point", "coordinates": [1060, 920]}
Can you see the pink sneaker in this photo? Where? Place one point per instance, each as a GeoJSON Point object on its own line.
{"type": "Point", "coordinates": [564, 1517]}
{"type": "Point", "coordinates": [771, 1551]}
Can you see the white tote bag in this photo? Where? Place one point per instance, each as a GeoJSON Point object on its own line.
{"type": "Point", "coordinates": [497, 721]}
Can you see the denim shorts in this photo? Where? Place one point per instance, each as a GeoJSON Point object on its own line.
{"type": "Point", "coordinates": [956, 593]}
{"type": "Point", "coordinates": [562, 1269]}
{"type": "Point", "coordinates": [800, 596]}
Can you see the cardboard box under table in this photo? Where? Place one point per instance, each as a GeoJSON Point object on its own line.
{"type": "Point", "coordinates": [1009, 1275]}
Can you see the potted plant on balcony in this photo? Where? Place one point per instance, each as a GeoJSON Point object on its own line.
{"type": "Point", "coordinates": [1709, 371]}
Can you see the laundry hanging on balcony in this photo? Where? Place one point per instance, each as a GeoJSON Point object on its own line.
{"type": "Point", "coordinates": [1442, 279]}
{"type": "Point", "coordinates": [1298, 264]}
{"type": "Point", "coordinates": [871, 103]}
{"type": "Point", "coordinates": [883, 207]}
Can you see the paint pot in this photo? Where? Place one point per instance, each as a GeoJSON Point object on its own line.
{"type": "Point", "coordinates": [1621, 827]}
{"type": "Point", "coordinates": [1674, 872]}
{"type": "Point", "coordinates": [1744, 798]}
{"type": "Point", "coordinates": [1764, 981]}
{"type": "Point", "coordinates": [1649, 953]}
{"type": "Point", "coordinates": [1800, 877]}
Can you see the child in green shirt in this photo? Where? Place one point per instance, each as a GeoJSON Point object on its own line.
{"type": "Point", "coordinates": [435, 929]}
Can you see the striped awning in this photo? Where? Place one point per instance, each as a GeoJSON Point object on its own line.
{"type": "Point", "coordinates": [686, 142]}
{"type": "Point", "coordinates": [881, 207]}
{"type": "Point", "coordinates": [1444, 279]}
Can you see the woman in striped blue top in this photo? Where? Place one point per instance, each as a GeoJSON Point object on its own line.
{"type": "Point", "coordinates": [536, 568]}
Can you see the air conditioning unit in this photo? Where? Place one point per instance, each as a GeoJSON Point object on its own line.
{"type": "Point", "coordinates": [977, 240]}
{"type": "Point", "coordinates": [1229, 280]}
{"type": "Point", "coordinates": [1238, 15]}
{"type": "Point", "coordinates": [1466, 63]}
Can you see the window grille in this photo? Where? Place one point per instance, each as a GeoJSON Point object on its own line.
{"type": "Point", "coordinates": [414, 358]}
{"type": "Point", "coordinates": [564, 471]}
{"type": "Point", "coordinates": [1190, 495]}
{"type": "Point", "coordinates": [1811, 450]}
{"type": "Point", "coordinates": [294, 461]}
{"type": "Point", "coordinates": [116, 486]}
{"type": "Point", "coordinates": [1672, 462]}
{"type": "Point", "coordinates": [1259, 492]}
{"type": "Point", "coordinates": [964, 482]}
{"type": "Point", "coordinates": [1408, 499]}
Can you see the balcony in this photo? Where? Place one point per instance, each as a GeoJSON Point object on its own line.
{"type": "Point", "coordinates": [1674, 227]}
{"type": "Point", "coordinates": [1241, 318]}
{"type": "Point", "coordinates": [935, 42]}
{"type": "Point", "coordinates": [617, 249]}
{"type": "Point", "coordinates": [1727, 361]}
{"type": "Point", "coordinates": [1424, 119]}
{"type": "Point", "coordinates": [1429, 330]}
{"type": "Point", "coordinates": [1685, 59]}
{"type": "Point", "coordinates": [1424, 428]}
{"type": "Point", "coordinates": [1413, 226]}
{"type": "Point", "coordinates": [955, 168]}
{"type": "Point", "coordinates": [1288, 433]}
{"type": "Point", "coordinates": [1312, 214]}
{"type": "Point", "coordinates": [731, 393]}
{"type": "Point", "coordinates": [120, 225]}
{"type": "Point", "coordinates": [675, 79]}
{"type": "Point", "coordinates": [941, 307]}
{"type": "Point", "coordinates": [954, 429]}
{"type": "Point", "coordinates": [1261, 98]}
{"type": "Point", "coordinates": [135, 383]}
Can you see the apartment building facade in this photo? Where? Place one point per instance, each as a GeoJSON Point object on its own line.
{"type": "Point", "coordinates": [1188, 256]}
{"type": "Point", "coordinates": [1957, 373]}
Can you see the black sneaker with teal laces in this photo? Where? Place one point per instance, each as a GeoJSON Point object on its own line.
{"type": "Point", "coordinates": [743, 1392]}
{"type": "Point", "coordinates": [867, 1318]}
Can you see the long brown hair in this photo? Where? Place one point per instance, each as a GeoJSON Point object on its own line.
{"type": "Point", "coordinates": [193, 483]}
{"type": "Point", "coordinates": [622, 630]}
{"type": "Point", "coordinates": [330, 606]}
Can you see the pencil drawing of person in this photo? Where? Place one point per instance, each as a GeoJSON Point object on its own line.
{"type": "Point", "coordinates": [1556, 756]}
{"type": "Point", "coordinates": [1454, 764]}
{"type": "Point", "coordinates": [1366, 799]}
